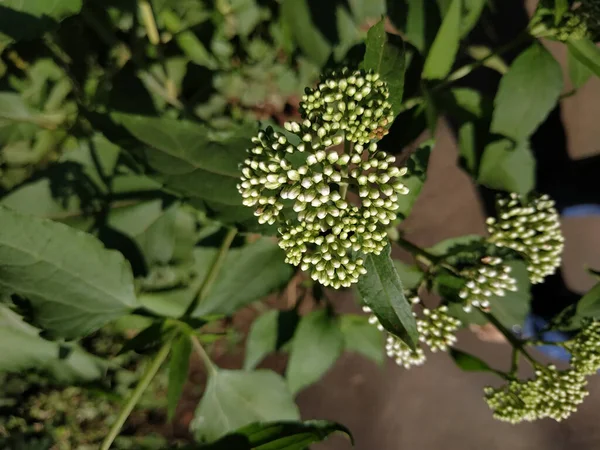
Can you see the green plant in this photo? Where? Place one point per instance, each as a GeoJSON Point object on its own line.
{"type": "Point", "coordinates": [137, 189]}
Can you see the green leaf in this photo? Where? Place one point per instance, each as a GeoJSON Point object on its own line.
{"type": "Point", "coordinates": [190, 158]}
{"type": "Point", "coordinates": [387, 60]}
{"type": "Point", "coordinates": [150, 338]}
{"type": "Point", "coordinates": [527, 93]}
{"type": "Point", "coordinates": [445, 46]}
{"type": "Point", "coordinates": [417, 174]}
{"type": "Point", "coordinates": [362, 337]}
{"type": "Point", "coordinates": [411, 275]}
{"type": "Point", "coordinates": [74, 284]}
{"type": "Point", "coordinates": [589, 304]}
{"type": "Point", "coordinates": [296, 15]}
{"type": "Point", "coordinates": [381, 290]}
{"type": "Point", "coordinates": [473, 9]}
{"type": "Point", "coordinates": [507, 167]}
{"type": "Point", "coordinates": [14, 109]}
{"type": "Point", "coordinates": [317, 345]}
{"type": "Point", "coordinates": [468, 362]}
{"type": "Point", "coordinates": [26, 19]}
{"type": "Point", "coordinates": [451, 245]}
{"type": "Point", "coordinates": [178, 372]}
{"type": "Point", "coordinates": [579, 73]}
{"type": "Point", "coordinates": [234, 399]}
{"type": "Point", "coordinates": [262, 339]}
{"type": "Point", "coordinates": [23, 349]}
{"type": "Point", "coordinates": [279, 436]}
{"type": "Point", "coordinates": [586, 52]}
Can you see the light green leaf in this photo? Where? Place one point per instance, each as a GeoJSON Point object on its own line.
{"type": "Point", "coordinates": [36, 199]}
{"type": "Point", "coordinates": [527, 93]}
{"type": "Point", "coordinates": [445, 46]}
{"type": "Point", "coordinates": [317, 345]}
{"type": "Point", "coordinates": [26, 19]}
{"type": "Point", "coordinates": [473, 9]}
{"type": "Point", "coordinates": [469, 363]}
{"type": "Point", "coordinates": [234, 399]}
{"type": "Point", "coordinates": [507, 167]}
{"type": "Point", "coordinates": [362, 337]}
{"type": "Point", "coordinates": [14, 109]}
{"type": "Point", "coordinates": [410, 275]}
{"type": "Point", "coordinates": [586, 52]}
{"type": "Point", "coordinates": [190, 158]}
{"type": "Point", "coordinates": [579, 72]}
{"type": "Point", "coordinates": [178, 372]}
{"type": "Point", "coordinates": [589, 304]}
{"type": "Point", "coordinates": [415, 179]}
{"type": "Point", "coordinates": [262, 339]}
{"type": "Point", "coordinates": [449, 246]}
{"type": "Point", "coordinates": [279, 436]}
{"type": "Point", "coordinates": [387, 60]}
{"type": "Point", "coordinates": [22, 349]}
{"type": "Point", "coordinates": [74, 284]}
{"type": "Point", "coordinates": [381, 290]}
{"type": "Point", "coordinates": [296, 15]}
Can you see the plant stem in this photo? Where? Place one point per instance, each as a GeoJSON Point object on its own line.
{"type": "Point", "coordinates": [213, 272]}
{"type": "Point", "coordinates": [517, 344]}
{"type": "Point", "coordinates": [143, 384]}
{"type": "Point", "coordinates": [210, 366]}
{"type": "Point", "coordinates": [344, 186]}
{"type": "Point", "coordinates": [149, 22]}
{"type": "Point", "coordinates": [422, 254]}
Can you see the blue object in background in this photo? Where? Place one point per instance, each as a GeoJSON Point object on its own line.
{"type": "Point", "coordinates": [533, 330]}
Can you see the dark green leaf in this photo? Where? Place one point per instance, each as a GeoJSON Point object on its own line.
{"type": "Point", "coordinates": [262, 339]}
{"type": "Point", "coordinates": [14, 109]}
{"type": "Point", "coordinates": [23, 349]}
{"type": "Point", "coordinates": [445, 46]}
{"type": "Point", "coordinates": [234, 399]}
{"type": "Point", "coordinates": [473, 8]}
{"type": "Point", "coordinates": [26, 19]}
{"type": "Point", "coordinates": [317, 345]}
{"type": "Point", "coordinates": [296, 15]}
{"type": "Point", "coordinates": [589, 304]}
{"type": "Point", "coordinates": [560, 8]}
{"type": "Point", "coordinates": [527, 93]}
{"type": "Point", "coordinates": [150, 338]}
{"type": "Point", "coordinates": [190, 158]}
{"type": "Point", "coordinates": [469, 363]}
{"type": "Point", "coordinates": [278, 436]}
{"type": "Point", "coordinates": [89, 286]}
{"type": "Point", "coordinates": [178, 371]}
{"type": "Point", "coordinates": [381, 290]}
{"type": "Point", "coordinates": [586, 52]}
{"type": "Point", "coordinates": [362, 337]}
{"type": "Point", "coordinates": [450, 246]}
{"type": "Point", "coordinates": [417, 174]}
{"type": "Point", "coordinates": [507, 167]}
{"type": "Point", "coordinates": [579, 72]}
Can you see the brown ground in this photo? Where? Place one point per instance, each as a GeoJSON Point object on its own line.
{"type": "Point", "coordinates": [436, 406]}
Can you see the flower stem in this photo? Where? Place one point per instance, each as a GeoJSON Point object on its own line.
{"type": "Point", "coordinates": [210, 366]}
{"type": "Point", "coordinates": [517, 344]}
{"type": "Point", "coordinates": [149, 22]}
{"type": "Point", "coordinates": [213, 272]}
{"type": "Point", "coordinates": [133, 399]}
{"type": "Point", "coordinates": [421, 254]}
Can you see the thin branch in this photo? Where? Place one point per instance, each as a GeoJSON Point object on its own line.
{"type": "Point", "coordinates": [210, 366]}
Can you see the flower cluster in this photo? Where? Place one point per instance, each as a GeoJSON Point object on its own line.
{"type": "Point", "coordinates": [531, 228]}
{"type": "Point", "coordinates": [585, 349]}
{"type": "Point", "coordinates": [490, 277]}
{"type": "Point", "coordinates": [437, 330]}
{"type": "Point", "coordinates": [552, 393]}
{"type": "Point", "coordinates": [573, 24]}
{"type": "Point", "coordinates": [300, 180]}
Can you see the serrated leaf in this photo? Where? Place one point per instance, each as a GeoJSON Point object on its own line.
{"type": "Point", "coordinates": [278, 436]}
{"type": "Point", "coordinates": [527, 93]}
{"type": "Point", "coordinates": [381, 290]}
{"type": "Point", "coordinates": [445, 46]}
{"type": "Point", "coordinates": [589, 304]}
{"type": "Point", "coordinates": [178, 372]}
{"type": "Point", "coordinates": [586, 52]}
{"type": "Point", "coordinates": [26, 19]}
{"type": "Point", "coordinates": [362, 337]}
{"type": "Point", "coordinates": [74, 284]}
{"type": "Point", "coordinates": [387, 60]}
{"type": "Point", "coordinates": [262, 339]}
{"type": "Point", "coordinates": [234, 399]}
{"type": "Point", "coordinates": [415, 179]}
{"type": "Point", "coordinates": [296, 15]}
{"type": "Point", "coordinates": [190, 158]}
{"type": "Point", "coordinates": [318, 343]}
{"type": "Point", "coordinates": [23, 349]}
{"type": "Point", "coordinates": [468, 362]}
{"type": "Point", "coordinates": [507, 167]}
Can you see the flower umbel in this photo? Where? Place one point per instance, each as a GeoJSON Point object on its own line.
{"type": "Point", "coordinates": [585, 349]}
{"type": "Point", "coordinates": [532, 228]}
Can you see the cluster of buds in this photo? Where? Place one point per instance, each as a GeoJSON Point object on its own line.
{"type": "Point", "coordinates": [437, 330]}
{"type": "Point", "coordinates": [585, 349]}
{"type": "Point", "coordinates": [531, 228]}
{"type": "Point", "coordinates": [302, 186]}
{"type": "Point", "coordinates": [551, 394]}
{"type": "Point", "coordinates": [351, 103]}
{"type": "Point", "coordinates": [490, 278]}
{"type": "Point", "coordinates": [573, 24]}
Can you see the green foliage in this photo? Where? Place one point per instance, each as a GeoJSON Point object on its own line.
{"type": "Point", "coordinates": [469, 363]}
{"type": "Point", "coordinates": [362, 337]}
{"type": "Point", "coordinates": [262, 339]}
{"type": "Point", "coordinates": [440, 57]}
